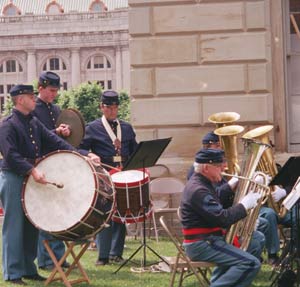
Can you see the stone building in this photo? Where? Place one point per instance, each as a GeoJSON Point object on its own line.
{"type": "Point", "coordinates": [81, 40]}
{"type": "Point", "coordinates": [193, 58]}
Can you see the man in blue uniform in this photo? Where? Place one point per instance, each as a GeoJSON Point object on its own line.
{"type": "Point", "coordinates": [47, 113]}
{"type": "Point", "coordinates": [114, 141]}
{"type": "Point", "coordinates": [23, 139]}
{"type": "Point", "coordinates": [203, 218]}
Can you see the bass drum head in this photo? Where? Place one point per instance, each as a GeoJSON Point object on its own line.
{"type": "Point", "coordinates": [56, 209]}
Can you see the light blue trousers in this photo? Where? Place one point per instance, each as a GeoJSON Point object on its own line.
{"type": "Point", "coordinates": [110, 241]}
{"type": "Point", "coordinates": [236, 268]}
{"type": "Point", "coordinates": [57, 246]}
{"type": "Point", "coordinates": [19, 236]}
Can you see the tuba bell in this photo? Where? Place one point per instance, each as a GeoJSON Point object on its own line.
{"type": "Point", "coordinates": [224, 118]}
{"type": "Point", "coordinates": [244, 228]}
{"type": "Point", "coordinates": [267, 163]}
{"type": "Point", "coordinates": [228, 138]}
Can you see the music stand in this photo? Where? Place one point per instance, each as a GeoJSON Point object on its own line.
{"type": "Point", "coordinates": [146, 154]}
{"type": "Point", "coordinates": [287, 177]}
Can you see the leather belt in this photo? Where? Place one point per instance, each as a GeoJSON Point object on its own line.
{"type": "Point", "coordinates": [202, 236]}
{"type": "Point", "coordinates": [116, 158]}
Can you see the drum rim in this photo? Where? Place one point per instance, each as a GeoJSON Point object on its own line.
{"type": "Point", "coordinates": [131, 184]}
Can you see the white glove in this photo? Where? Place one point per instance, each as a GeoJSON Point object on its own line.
{"type": "Point", "coordinates": [250, 200]}
{"type": "Point", "coordinates": [278, 193]}
{"type": "Point", "coordinates": [233, 182]}
{"type": "Point", "coordinates": [259, 179]}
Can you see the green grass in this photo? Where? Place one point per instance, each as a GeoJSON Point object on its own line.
{"type": "Point", "coordinates": [104, 276]}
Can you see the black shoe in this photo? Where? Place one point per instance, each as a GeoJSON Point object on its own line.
{"type": "Point", "coordinates": [35, 277]}
{"type": "Point", "coordinates": [102, 261]}
{"type": "Point", "coordinates": [116, 259]}
{"type": "Point", "coordinates": [47, 267]}
{"type": "Point", "coordinates": [66, 265]}
{"type": "Point", "coordinates": [273, 259]}
{"type": "Point", "coordinates": [18, 281]}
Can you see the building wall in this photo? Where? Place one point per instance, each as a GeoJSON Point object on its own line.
{"type": "Point", "coordinates": [74, 38]}
{"type": "Point", "coordinates": [190, 59]}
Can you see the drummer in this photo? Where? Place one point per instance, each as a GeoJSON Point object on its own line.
{"type": "Point", "coordinates": [22, 140]}
{"type": "Point", "coordinates": [47, 113]}
{"type": "Point", "coordinates": [114, 141]}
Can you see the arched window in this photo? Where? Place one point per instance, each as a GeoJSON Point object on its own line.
{"type": "Point", "coordinates": [11, 10]}
{"type": "Point", "coordinates": [97, 6]}
{"type": "Point", "coordinates": [98, 62]}
{"type": "Point", "coordinates": [54, 64]}
{"type": "Point", "coordinates": [54, 8]}
{"type": "Point", "coordinates": [10, 66]}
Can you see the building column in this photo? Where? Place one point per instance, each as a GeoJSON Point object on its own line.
{"type": "Point", "coordinates": [125, 69]}
{"type": "Point", "coordinates": [31, 66]}
{"type": "Point", "coordinates": [119, 83]}
{"type": "Point", "coordinates": [75, 66]}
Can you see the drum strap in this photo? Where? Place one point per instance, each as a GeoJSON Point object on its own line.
{"type": "Point", "coordinates": [116, 139]}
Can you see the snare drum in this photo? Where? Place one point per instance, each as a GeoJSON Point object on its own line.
{"type": "Point", "coordinates": [78, 210]}
{"type": "Point", "coordinates": [132, 195]}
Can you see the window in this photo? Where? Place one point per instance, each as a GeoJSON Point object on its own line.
{"type": "Point", "coordinates": [11, 66]}
{"type": "Point", "coordinates": [11, 10]}
{"type": "Point", "coordinates": [2, 101]}
{"type": "Point", "coordinates": [1, 89]}
{"type": "Point", "coordinates": [97, 6]}
{"type": "Point", "coordinates": [65, 85]}
{"type": "Point", "coordinates": [54, 8]}
{"type": "Point", "coordinates": [101, 83]}
{"type": "Point", "coordinates": [1, 68]}
{"type": "Point", "coordinates": [109, 86]}
{"type": "Point", "coordinates": [8, 88]}
{"type": "Point", "coordinates": [98, 62]}
{"type": "Point", "coordinates": [54, 64]}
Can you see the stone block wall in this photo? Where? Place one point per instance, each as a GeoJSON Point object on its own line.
{"type": "Point", "coordinates": [192, 58]}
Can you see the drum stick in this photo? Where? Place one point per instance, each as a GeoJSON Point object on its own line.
{"type": "Point", "coordinates": [58, 185]}
{"type": "Point", "coordinates": [110, 166]}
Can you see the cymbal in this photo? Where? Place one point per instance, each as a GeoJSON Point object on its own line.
{"type": "Point", "coordinates": [74, 119]}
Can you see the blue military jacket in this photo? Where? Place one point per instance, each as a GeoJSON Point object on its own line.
{"type": "Point", "coordinates": [98, 141]}
{"type": "Point", "coordinates": [47, 113]}
{"type": "Point", "coordinates": [201, 206]}
{"type": "Point", "coordinates": [23, 139]}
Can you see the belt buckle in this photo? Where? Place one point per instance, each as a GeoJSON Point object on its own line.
{"type": "Point", "coordinates": [117, 158]}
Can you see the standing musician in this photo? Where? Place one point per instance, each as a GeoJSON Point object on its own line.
{"type": "Point", "coordinates": [114, 141]}
{"type": "Point", "coordinates": [203, 218]}
{"type": "Point", "coordinates": [47, 113]}
{"type": "Point", "coordinates": [23, 139]}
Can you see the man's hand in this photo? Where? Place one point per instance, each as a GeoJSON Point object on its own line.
{"type": "Point", "coordinates": [63, 130]}
{"type": "Point", "coordinates": [94, 158]}
{"type": "Point", "coordinates": [38, 176]}
{"type": "Point", "coordinates": [250, 200]}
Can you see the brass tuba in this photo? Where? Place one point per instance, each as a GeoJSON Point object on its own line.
{"type": "Point", "coordinates": [228, 138]}
{"type": "Point", "coordinates": [267, 163]}
{"type": "Point", "coordinates": [245, 227]}
{"type": "Point", "coordinates": [224, 118]}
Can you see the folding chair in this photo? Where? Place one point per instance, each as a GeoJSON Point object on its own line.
{"type": "Point", "coordinates": [183, 263]}
{"type": "Point", "coordinates": [58, 270]}
{"type": "Point", "coordinates": [163, 191]}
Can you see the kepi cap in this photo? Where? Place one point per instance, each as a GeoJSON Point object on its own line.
{"type": "Point", "coordinates": [209, 155]}
{"type": "Point", "coordinates": [210, 138]}
{"type": "Point", "coordinates": [110, 98]}
{"type": "Point", "coordinates": [21, 90]}
{"type": "Point", "coordinates": [49, 79]}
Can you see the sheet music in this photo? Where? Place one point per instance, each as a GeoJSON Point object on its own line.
{"type": "Point", "coordinates": [293, 196]}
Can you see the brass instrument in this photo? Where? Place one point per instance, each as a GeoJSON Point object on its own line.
{"type": "Point", "coordinates": [224, 118]}
{"type": "Point", "coordinates": [267, 163]}
{"type": "Point", "coordinates": [228, 138]}
{"type": "Point", "coordinates": [245, 227]}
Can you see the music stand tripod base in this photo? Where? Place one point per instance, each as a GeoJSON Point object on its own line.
{"type": "Point", "coordinates": [58, 274]}
{"type": "Point", "coordinates": [146, 154]}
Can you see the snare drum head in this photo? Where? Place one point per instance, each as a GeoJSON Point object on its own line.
{"type": "Point", "coordinates": [129, 177]}
{"type": "Point", "coordinates": [55, 209]}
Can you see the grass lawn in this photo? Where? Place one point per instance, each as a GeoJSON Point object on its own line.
{"type": "Point", "coordinates": [104, 276]}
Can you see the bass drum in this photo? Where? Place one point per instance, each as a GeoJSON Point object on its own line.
{"type": "Point", "coordinates": [78, 209]}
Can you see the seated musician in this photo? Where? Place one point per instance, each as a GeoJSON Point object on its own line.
{"type": "Point", "coordinates": [203, 218]}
